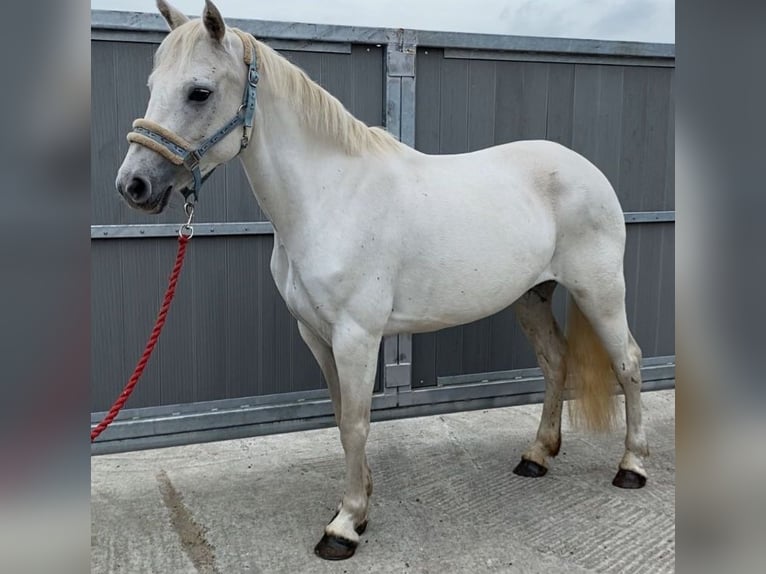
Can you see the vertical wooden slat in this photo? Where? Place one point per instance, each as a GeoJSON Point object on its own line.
{"type": "Point", "coordinates": [665, 318]}
{"type": "Point", "coordinates": [453, 120]}
{"type": "Point", "coordinates": [105, 155]}
{"type": "Point", "coordinates": [243, 347]}
{"type": "Point", "coordinates": [428, 101]}
{"type": "Point", "coordinates": [423, 360]}
{"type": "Point", "coordinates": [560, 103]}
{"type": "Point", "coordinates": [108, 365]}
{"type": "Point", "coordinates": [176, 357]}
{"type": "Point", "coordinates": [367, 84]}
{"type": "Point", "coordinates": [481, 108]}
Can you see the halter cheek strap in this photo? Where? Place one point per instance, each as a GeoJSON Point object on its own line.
{"type": "Point", "coordinates": [178, 151]}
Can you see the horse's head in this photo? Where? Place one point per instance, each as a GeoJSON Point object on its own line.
{"type": "Point", "coordinates": [196, 92]}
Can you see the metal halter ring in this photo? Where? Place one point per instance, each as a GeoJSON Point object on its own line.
{"type": "Point", "coordinates": [187, 227]}
{"type": "Point", "coordinates": [186, 231]}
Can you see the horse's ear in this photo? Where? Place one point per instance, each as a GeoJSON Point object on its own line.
{"type": "Point", "coordinates": [172, 15]}
{"type": "Point", "coordinates": [213, 21]}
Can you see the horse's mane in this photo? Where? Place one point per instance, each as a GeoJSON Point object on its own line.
{"type": "Point", "coordinates": [318, 109]}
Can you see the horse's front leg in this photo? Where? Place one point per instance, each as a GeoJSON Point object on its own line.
{"type": "Point", "coordinates": [356, 358]}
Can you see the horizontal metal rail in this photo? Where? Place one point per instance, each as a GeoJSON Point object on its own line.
{"type": "Point", "coordinates": [119, 21]}
{"type": "Point", "coordinates": [557, 57]}
{"type": "Point", "coordinates": [152, 37]}
{"type": "Point", "coordinates": [171, 229]}
{"type": "Point", "coordinates": [250, 416]}
{"type": "Point", "coordinates": [132, 231]}
{"type": "Point", "coordinates": [649, 216]}
{"type": "Point", "coordinates": [216, 420]}
{"type": "Point", "coordinates": [473, 41]}
{"type": "Point", "coordinates": [215, 406]}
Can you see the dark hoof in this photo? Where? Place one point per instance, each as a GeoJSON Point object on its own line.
{"type": "Point", "coordinates": [337, 548]}
{"type": "Point", "coordinates": [628, 479]}
{"type": "Point", "coordinates": [529, 469]}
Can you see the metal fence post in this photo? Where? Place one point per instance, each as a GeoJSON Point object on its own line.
{"type": "Point", "coordinates": [400, 121]}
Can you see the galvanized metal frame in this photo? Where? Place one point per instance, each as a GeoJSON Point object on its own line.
{"type": "Point", "coordinates": [152, 37]}
{"type": "Point", "coordinates": [401, 51]}
{"type": "Point", "coordinates": [150, 230]}
{"type": "Point", "coordinates": [232, 418]}
{"type": "Point", "coordinates": [516, 56]}
{"type": "Point", "coordinates": [118, 22]}
{"type": "Point", "coordinates": [141, 231]}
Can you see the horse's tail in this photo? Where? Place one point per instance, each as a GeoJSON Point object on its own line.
{"type": "Point", "coordinates": [588, 374]}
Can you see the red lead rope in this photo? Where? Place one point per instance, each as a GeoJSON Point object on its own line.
{"type": "Point", "coordinates": [183, 240]}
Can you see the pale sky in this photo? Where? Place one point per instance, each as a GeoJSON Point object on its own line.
{"type": "Point", "coordinates": [630, 20]}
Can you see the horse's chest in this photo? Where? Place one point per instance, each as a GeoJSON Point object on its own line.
{"type": "Point", "coordinates": [306, 304]}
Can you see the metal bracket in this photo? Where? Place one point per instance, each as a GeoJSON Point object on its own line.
{"type": "Point", "coordinates": [401, 52]}
{"type": "Point", "coordinates": [397, 354]}
{"type": "Point", "coordinates": [398, 375]}
{"type": "Point", "coordinates": [400, 56]}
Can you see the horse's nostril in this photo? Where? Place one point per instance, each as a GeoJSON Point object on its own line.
{"type": "Point", "coordinates": [138, 189]}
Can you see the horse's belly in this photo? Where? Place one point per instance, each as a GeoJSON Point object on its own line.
{"type": "Point", "coordinates": [460, 287]}
{"type": "Point", "coordinates": [442, 308]}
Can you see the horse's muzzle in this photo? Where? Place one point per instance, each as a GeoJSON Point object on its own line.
{"type": "Point", "coordinates": [137, 189]}
{"type": "Point", "coordinates": [140, 194]}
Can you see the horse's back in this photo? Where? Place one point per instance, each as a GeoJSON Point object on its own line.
{"type": "Point", "coordinates": [533, 189]}
{"type": "Point", "coordinates": [571, 193]}
{"type": "Point", "coordinates": [486, 226]}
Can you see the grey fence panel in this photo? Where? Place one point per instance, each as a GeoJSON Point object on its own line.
{"type": "Point", "coordinates": [650, 275]}
{"type": "Point", "coordinates": [645, 182]}
{"type": "Point", "coordinates": [228, 334]}
{"type": "Point", "coordinates": [597, 120]}
{"type": "Point", "coordinates": [618, 116]}
{"type": "Point", "coordinates": [231, 362]}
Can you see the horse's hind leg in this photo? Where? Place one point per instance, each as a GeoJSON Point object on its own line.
{"type": "Point", "coordinates": [538, 323]}
{"type": "Point", "coordinates": [603, 303]}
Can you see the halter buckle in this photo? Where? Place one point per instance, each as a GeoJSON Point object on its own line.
{"type": "Point", "coordinates": [191, 160]}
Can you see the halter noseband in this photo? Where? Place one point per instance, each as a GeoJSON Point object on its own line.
{"type": "Point", "coordinates": [177, 150]}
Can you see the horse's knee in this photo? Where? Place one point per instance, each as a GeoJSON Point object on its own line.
{"type": "Point", "coordinates": [353, 434]}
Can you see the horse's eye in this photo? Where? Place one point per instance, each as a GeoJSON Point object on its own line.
{"type": "Point", "coordinates": [199, 95]}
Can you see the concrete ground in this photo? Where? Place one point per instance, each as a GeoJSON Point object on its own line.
{"type": "Point", "coordinates": [445, 500]}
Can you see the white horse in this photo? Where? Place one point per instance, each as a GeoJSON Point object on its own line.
{"type": "Point", "coordinates": [374, 238]}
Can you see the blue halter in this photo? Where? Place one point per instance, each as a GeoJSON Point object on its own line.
{"type": "Point", "coordinates": [176, 150]}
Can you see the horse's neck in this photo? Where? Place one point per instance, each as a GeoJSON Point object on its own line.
{"type": "Point", "coordinates": [289, 166]}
